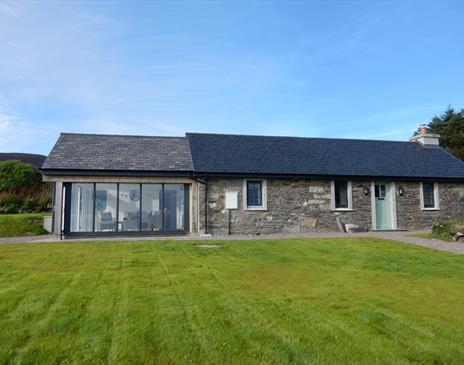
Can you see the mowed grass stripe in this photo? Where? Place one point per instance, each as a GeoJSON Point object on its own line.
{"type": "Point", "coordinates": [284, 338]}
{"type": "Point", "coordinates": [257, 331]}
{"type": "Point", "coordinates": [227, 319]}
{"type": "Point", "coordinates": [120, 329]}
{"type": "Point", "coordinates": [95, 334]}
{"type": "Point", "coordinates": [28, 301]}
{"type": "Point", "coordinates": [60, 317]}
{"type": "Point", "coordinates": [267, 328]}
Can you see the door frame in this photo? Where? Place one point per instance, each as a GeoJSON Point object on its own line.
{"type": "Point", "coordinates": [392, 195]}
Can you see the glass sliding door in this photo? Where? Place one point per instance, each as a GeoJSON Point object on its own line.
{"type": "Point", "coordinates": [81, 208]}
{"type": "Point", "coordinates": [152, 203]}
{"type": "Point", "coordinates": [129, 207]}
{"type": "Point", "coordinates": [174, 207]}
{"type": "Point", "coordinates": [125, 208]}
{"type": "Point", "coordinates": [105, 207]}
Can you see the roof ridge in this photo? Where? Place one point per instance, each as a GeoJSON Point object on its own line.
{"type": "Point", "coordinates": [119, 135]}
{"type": "Point", "coordinates": [231, 135]}
{"type": "Point", "coordinates": [295, 137]}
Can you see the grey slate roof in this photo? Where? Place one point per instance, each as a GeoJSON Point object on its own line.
{"type": "Point", "coordinates": [112, 152]}
{"type": "Point", "coordinates": [258, 155]}
{"type": "Point", "coordinates": [242, 154]}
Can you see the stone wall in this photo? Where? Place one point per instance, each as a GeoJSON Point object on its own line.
{"type": "Point", "coordinates": [293, 206]}
{"type": "Point", "coordinates": [411, 216]}
{"type": "Point", "coordinates": [296, 206]}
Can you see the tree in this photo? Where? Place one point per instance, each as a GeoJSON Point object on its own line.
{"type": "Point", "coordinates": [450, 126]}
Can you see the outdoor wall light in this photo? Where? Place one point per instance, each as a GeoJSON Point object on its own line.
{"type": "Point", "coordinates": [365, 189]}
{"type": "Point", "coordinates": [400, 191]}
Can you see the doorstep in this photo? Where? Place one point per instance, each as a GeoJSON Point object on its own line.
{"type": "Point", "coordinates": [388, 230]}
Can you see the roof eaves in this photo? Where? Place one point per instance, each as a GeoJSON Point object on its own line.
{"type": "Point", "coordinates": [103, 172]}
{"type": "Point", "coordinates": [329, 176]}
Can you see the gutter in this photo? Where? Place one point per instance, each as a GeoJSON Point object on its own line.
{"type": "Point", "coordinates": [331, 177]}
{"type": "Point", "coordinates": [197, 175]}
{"type": "Point", "coordinates": [127, 173]}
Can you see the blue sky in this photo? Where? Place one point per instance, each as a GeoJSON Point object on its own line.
{"type": "Point", "coordinates": [323, 69]}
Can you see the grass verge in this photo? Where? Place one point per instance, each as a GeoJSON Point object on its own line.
{"type": "Point", "coordinates": [13, 225]}
{"type": "Point", "coordinates": [422, 235]}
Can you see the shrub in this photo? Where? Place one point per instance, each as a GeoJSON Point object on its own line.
{"type": "Point", "coordinates": [10, 203]}
{"type": "Point", "coordinates": [16, 175]}
{"type": "Point", "coordinates": [445, 230]}
{"type": "Point", "coordinates": [28, 204]}
{"type": "Point", "coordinates": [22, 189]}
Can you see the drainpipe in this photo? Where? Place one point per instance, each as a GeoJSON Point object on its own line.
{"type": "Point", "coordinates": [206, 205]}
{"type": "Point", "coordinates": [62, 206]}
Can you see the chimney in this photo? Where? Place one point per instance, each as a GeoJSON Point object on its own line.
{"type": "Point", "coordinates": [423, 130]}
{"type": "Point", "coordinates": [426, 138]}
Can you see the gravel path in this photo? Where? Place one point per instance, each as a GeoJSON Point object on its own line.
{"type": "Point", "coordinates": [408, 237]}
{"type": "Point", "coordinates": [403, 236]}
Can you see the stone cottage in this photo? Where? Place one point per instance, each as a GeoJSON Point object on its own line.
{"type": "Point", "coordinates": [239, 184]}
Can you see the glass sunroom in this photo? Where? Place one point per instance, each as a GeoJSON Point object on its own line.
{"type": "Point", "coordinates": [125, 208]}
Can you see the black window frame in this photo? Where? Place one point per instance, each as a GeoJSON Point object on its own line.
{"type": "Point", "coordinates": [259, 202]}
{"type": "Point", "coordinates": [67, 188]}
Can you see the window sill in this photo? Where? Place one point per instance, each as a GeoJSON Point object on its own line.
{"type": "Point", "coordinates": [430, 209]}
{"type": "Point", "coordinates": [342, 209]}
{"type": "Point", "coordinates": [256, 208]}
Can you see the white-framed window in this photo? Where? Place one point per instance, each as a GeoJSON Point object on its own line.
{"type": "Point", "coordinates": [429, 196]}
{"type": "Point", "coordinates": [342, 195]}
{"type": "Point", "coordinates": [255, 194]}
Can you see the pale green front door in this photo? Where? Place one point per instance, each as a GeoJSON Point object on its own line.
{"type": "Point", "coordinates": [383, 206]}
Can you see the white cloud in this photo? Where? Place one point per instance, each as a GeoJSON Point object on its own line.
{"type": "Point", "coordinates": [9, 10]}
{"type": "Point", "coordinates": [12, 132]}
{"type": "Point", "coordinates": [393, 134]}
{"type": "Point", "coordinates": [394, 124]}
{"type": "Point", "coordinates": [17, 134]}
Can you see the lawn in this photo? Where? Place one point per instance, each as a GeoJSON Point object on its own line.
{"type": "Point", "coordinates": [12, 225]}
{"type": "Point", "coordinates": [318, 301]}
